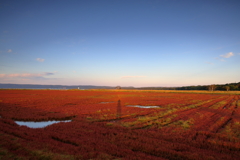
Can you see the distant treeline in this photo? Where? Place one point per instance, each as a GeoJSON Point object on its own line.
{"type": "Point", "coordinates": [219, 87]}
{"type": "Point", "coordinates": [158, 88]}
{"type": "Point", "coordinates": [212, 87]}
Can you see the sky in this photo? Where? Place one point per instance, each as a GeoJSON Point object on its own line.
{"type": "Point", "coordinates": [120, 42]}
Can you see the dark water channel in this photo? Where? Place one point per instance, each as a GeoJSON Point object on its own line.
{"type": "Point", "coordinates": [32, 124]}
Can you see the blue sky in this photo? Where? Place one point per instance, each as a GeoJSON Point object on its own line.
{"type": "Point", "coordinates": [120, 42]}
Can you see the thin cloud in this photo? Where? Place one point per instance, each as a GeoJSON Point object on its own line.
{"type": "Point", "coordinates": [2, 75]}
{"type": "Point", "coordinates": [9, 51]}
{"type": "Point", "coordinates": [227, 55]}
{"type": "Point", "coordinates": [209, 63]}
{"type": "Point", "coordinates": [220, 59]}
{"type": "Point", "coordinates": [133, 76]}
{"type": "Point", "coordinates": [217, 48]}
{"type": "Point", "coordinates": [26, 75]}
{"type": "Point", "coordinates": [40, 60]}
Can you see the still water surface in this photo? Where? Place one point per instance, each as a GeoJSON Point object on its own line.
{"type": "Point", "coordinates": [42, 124]}
{"type": "Point", "coordinates": [139, 106]}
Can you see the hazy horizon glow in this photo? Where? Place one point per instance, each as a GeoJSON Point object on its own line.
{"type": "Point", "coordinates": [120, 42]}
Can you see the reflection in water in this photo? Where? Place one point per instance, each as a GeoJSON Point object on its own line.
{"type": "Point", "coordinates": [139, 106]}
{"type": "Point", "coordinates": [39, 124]}
{"type": "Point", "coordinates": [119, 109]}
{"type": "Point", "coordinates": [105, 102]}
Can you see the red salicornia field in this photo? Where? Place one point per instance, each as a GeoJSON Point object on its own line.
{"type": "Point", "coordinates": [120, 124]}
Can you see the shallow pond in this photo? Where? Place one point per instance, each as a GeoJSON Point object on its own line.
{"type": "Point", "coordinates": [42, 124]}
{"type": "Point", "coordinates": [139, 106]}
{"type": "Point", "coordinates": [105, 102]}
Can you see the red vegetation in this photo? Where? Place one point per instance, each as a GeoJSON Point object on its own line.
{"type": "Point", "coordinates": [185, 126]}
